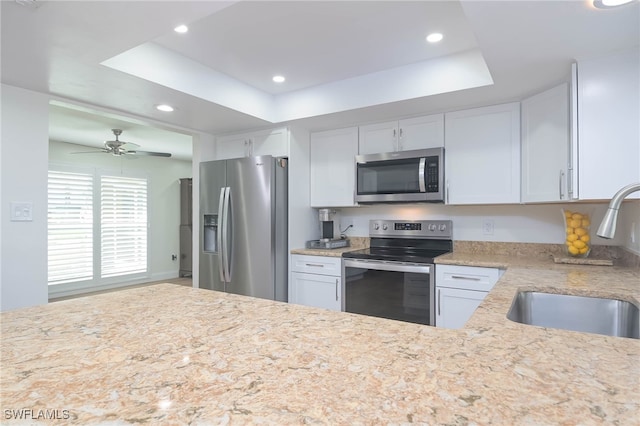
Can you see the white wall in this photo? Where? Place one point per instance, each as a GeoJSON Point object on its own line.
{"type": "Point", "coordinates": [512, 223]}
{"type": "Point", "coordinates": [25, 135]}
{"type": "Point", "coordinates": [164, 199]}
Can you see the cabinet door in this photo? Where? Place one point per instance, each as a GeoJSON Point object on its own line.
{"type": "Point", "coordinates": [332, 167]}
{"type": "Point", "coordinates": [273, 142]}
{"type": "Point", "coordinates": [234, 146]}
{"type": "Point", "coordinates": [321, 291]}
{"type": "Point", "coordinates": [608, 131]}
{"type": "Point", "coordinates": [545, 145]}
{"type": "Point", "coordinates": [454, 307]}
{"type": "Point", "coordinates": [482, 155]}
{"type": "Point", "coordinates": [377, 138]}
{"type": "Point", "coordinates": [421, 132]}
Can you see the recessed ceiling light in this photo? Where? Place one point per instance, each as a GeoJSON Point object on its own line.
{"type": "Point", "coordinates": [278, 79]}
{"type": "Point", "coordinates": [181, 29]}
{"type": "Point", "coordinates": [434, 37]}
{"type": "Point", "coordinates": [606, 4]}
{"type": "Point", "coordinates": [164, 108]}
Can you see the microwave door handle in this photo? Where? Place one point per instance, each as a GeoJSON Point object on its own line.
{"type": "Point", "coordinates": [421, 175]}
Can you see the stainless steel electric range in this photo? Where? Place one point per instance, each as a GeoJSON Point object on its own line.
{"type": "Point", "coordinates": [394, 278]}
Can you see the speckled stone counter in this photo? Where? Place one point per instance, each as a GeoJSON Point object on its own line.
{"type": "Point", "coordinates": [168, 354]}
{"type": "Point", "coordinates": [357, 243]}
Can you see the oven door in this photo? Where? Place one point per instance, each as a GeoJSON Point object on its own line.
{"type": "Point", "coordinates": [393, 290]}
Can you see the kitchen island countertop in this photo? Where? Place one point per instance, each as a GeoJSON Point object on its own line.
{"type": "Point", "coordinates": [171, 354]}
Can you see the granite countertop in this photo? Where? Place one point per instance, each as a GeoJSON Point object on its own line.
{"type": "Point", "coordinates": [356, 243]}
{"type": "Point", "coordinates": [168, 354]}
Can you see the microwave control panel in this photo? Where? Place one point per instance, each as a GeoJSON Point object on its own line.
{"type": "Point", "coordinates": [431, 174]}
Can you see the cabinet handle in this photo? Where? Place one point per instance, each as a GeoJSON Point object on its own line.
{"type": "Point", "coordinates": [395, 140]}
{"type": "Point", "coordinates": [560, 184]}
{"type": "Point", "coordinates": [336, 289]}
{"type": "Point", "coordinates": [448, 191]}
{"type": "Point", "coordinates": [400, 140]}
{"type": "Point", "coordinates": [317, 265]}
{"type": "Point", "coordinates": [439, 291]}
{"type": "Point", "coordinates": [246, 147]}
{"type": "Point", "coordinates": [459, 277]}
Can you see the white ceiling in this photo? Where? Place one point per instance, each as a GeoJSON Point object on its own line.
{"type": "Point", "coordinates": [346, 62]}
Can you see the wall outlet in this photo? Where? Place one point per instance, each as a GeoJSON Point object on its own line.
{"type": "Point", "coordinates": [487, 226]}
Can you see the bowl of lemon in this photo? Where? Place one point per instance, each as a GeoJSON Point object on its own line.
{"type": "Point", "coordinates": [578, 238]}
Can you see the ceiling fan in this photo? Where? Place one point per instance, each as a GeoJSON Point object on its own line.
{"type": "Point", "coordinates": [118, 147]}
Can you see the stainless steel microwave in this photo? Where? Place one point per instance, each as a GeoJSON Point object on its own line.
{"type": "Point", "coordinates": [404, 176]}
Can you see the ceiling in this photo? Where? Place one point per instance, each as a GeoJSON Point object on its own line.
{"type": "Point", "coordinates": [346, 62]}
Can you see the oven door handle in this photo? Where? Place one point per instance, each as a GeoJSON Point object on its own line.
{"type": "Point", "coordinates": [387, 266]}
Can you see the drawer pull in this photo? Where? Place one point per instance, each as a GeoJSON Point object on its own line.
{"type": "Point", "coordinates": [336, 289]}
{"type": "Point", "coordinates": [459, 277]}
{"type": "Point", "coordinates": [317, 265]}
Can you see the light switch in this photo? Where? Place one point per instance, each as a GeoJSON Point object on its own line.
{"type": "Point", "coordinates": [21, 212]}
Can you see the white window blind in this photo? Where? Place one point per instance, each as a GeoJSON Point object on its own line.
{"type": "Point", "coordinates": [70, 227]}
{"type": "Point", "coordinates": [123, 207]}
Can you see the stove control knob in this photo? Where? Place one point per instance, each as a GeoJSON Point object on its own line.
{"type": "Point", "coordinates": [384, 227]}
{"type": "Point", "coordinates": [376, 226]}
{"type": "Point", "coordinates": [432, 227]}
{"type": "Point", "coordinates": [443, 227]}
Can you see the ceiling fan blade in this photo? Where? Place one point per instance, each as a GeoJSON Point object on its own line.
{"type": "Point", "coordinates": [149, 153]}
{"type": "Point", "coordinates": [91, 152]}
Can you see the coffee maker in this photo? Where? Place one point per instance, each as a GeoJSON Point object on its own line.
{"type": "Point", "coordinates": [327, 232]}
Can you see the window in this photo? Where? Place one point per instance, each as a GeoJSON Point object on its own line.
{"type": "Point", "coordinates": [123, 231]}
{"type": "Point", "coordinates": [70, 222]}
{"type": "Point", "coordinates": [97, 227]}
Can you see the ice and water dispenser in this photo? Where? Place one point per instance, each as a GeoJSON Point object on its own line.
{"type": "Point", "coordinates": [210, 236]}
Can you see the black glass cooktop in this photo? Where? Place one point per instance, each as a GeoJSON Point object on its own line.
{"type": "Point", "coordinates": [402, 250]}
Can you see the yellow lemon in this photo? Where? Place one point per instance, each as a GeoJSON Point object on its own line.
{"type": "Point", "coordinates": [572, 237]}
{"type": "Point", "coordinates": [569, 244]}
{"type": "Point", "coordinates": [574, 223]}
{"type": "Point", "coordinates": [574, 250]}
{"type": "Point", "coordinates": [576, 216]}
{"type": "Point", "coordinates": [585, 238]}
{"type": "Point", "coordinates": [580, 232]}
{"type": "Point", "coordinates": [584, 250]}
{"type": "Point", "coordinates": [569, 230]}
{"type": "Point", "coordinates": [585, 223]}
{"type": "Point", "coordinates": [567, 214]}
{"type": "Point", "coordinates": [579, 244]}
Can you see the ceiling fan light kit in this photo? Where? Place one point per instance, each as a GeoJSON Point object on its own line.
{"type": "Point", "coordinates": [118, 148]}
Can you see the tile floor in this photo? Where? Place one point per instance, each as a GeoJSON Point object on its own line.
{"type": "Point", "coordinates": [180, 281]}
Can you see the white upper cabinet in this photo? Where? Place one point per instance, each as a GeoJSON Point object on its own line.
{"type": "Point", "coordinates": [608, 130]}
{"type": "Point", "coordinates": [545, 146]}
{"type": "Point", "coordinates": [332, 167]}
{"type": "Point", "coordinates": [273, 142]}
{"type": "Point", "coordinates": [404, 135]}
{"type": "Point", "coordinates": [482, 155]}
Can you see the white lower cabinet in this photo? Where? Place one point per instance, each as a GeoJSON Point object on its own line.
{"type": "Point", "coordinates": [459, 291]}
{"type": "Point", "coordinates": [316, 281]}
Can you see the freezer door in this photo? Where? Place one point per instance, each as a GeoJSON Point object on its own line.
{"type": "Point", "coordinates": [251, 227]}
{"type": "Point", "coordinates": [212, 181]}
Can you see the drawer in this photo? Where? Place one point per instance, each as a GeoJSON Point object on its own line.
{"type": "Point", "coordinates": [467, 277]}
{"type": "Point", "coordinates": [323, 265]}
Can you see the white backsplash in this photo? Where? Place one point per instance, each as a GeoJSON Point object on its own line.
{"type": "Point", "coordinates": [511, 223]}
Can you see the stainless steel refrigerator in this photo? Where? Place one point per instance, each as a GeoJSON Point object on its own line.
{"type": "Point", "coordinates": [243, 231]}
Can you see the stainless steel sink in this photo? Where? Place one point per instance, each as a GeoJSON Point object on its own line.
{"type": "Point", "coordinates": [610, 317]}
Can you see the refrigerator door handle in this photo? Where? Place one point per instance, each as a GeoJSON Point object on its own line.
{"type": "Point", "coordinates": [219, 236]}
{"type": "Point", "coordinates": [225, 235]}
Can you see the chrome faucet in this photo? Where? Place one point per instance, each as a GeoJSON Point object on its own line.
{"type": "Point", "coordinates": [607, 227]}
